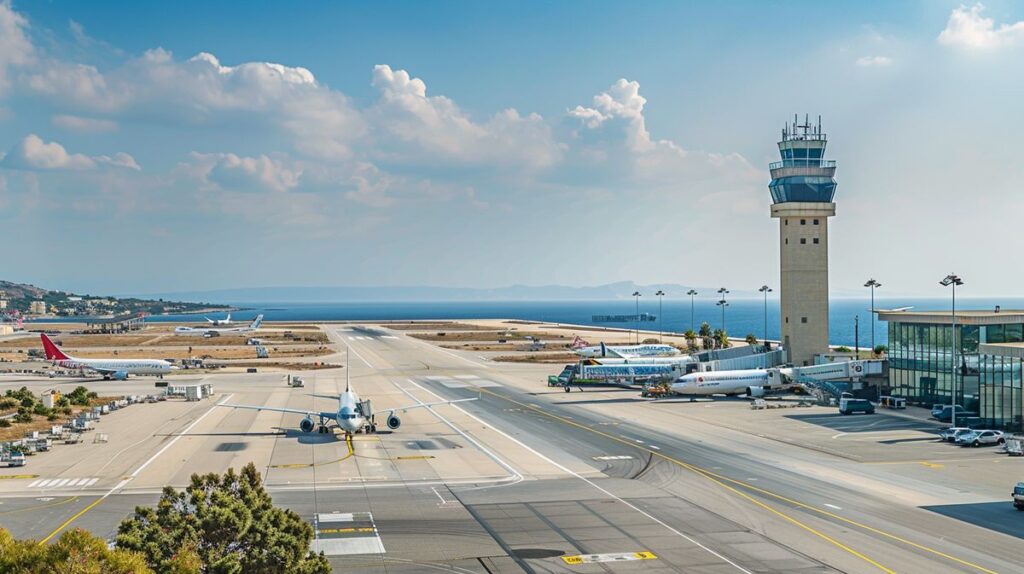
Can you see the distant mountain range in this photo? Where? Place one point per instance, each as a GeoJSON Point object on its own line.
{"type": "Point", "coordinates": [620, 290]}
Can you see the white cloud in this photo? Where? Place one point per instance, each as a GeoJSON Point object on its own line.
{"type": "Point", "coordinates": [230, 171]}
{"type": "Point", "coordinates": [967, 28]}
{"type": "Point", "coordinates": [82, 124]}
{"type": "Point", "coordinates": [15, 47]}
{"type": "Point", "coordinates": [200, 91]}
{"type": "Point", "coordinates": [874, 61]}
{"type": "Point", "coordinates": [32, 153]}
{"type": "Point", "coordinates": [411, 125]}
{"type": "Point", "coordinates": [610, 139]}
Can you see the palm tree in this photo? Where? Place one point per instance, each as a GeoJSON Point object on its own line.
{"type": "Point", "coordinates": [705, 329]}
{"type": "Point", "coordinates": [751, 339]}
{"type": "Point", "coordinates": [691, 340]}
{"type": "Point", "coordinates": [720, 339]}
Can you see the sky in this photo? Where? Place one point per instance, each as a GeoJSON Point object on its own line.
{"type": "Point", "coordinates": [155, 147]}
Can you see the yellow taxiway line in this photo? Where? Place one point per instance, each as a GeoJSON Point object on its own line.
{"type": "Point", "coordinates": [723, 480]}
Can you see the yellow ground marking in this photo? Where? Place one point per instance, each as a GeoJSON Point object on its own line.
{"type": "Point", "coordinates": [38, 506]}
{"type": "Point", "coordinates": [70, 520]}
{"type": "Point", "coordinates": [931, 464]}
{"type": "Point", "coordinates": [351, 452]}
{"type": "Point", "coordinates": [617, 557]}
{"type": "Point", "coordinates": [723, 479]}
{"type": "Point", "coordinates": [345, 530]}
{"type": "Point", "coordinates": [415, 457]}
{"type": "Point", "coordinates": [17, 476]}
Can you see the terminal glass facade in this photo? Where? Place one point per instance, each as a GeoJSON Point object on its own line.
{"type": "Point", "coordinates": [921, 369]}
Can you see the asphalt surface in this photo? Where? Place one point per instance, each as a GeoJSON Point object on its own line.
{"type": "Point", "coordinates": [529, 479]}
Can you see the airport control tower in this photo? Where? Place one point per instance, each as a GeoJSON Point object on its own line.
{"type": "Point", "coordinates": [802, 189]}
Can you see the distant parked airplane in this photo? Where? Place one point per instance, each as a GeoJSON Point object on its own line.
{"type": "Point", "coordinates": [213, 331]}
{"type": "Point", "coordinates": [626, 351]}
{"type": "Point", "coordinates": [110, 368]}
{"type": "Point", "coordinates": [217, 322]}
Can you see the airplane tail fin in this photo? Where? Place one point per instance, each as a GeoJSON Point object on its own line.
{"type": "Point", "coordinates": [228, 320]}
{"type": "Point", "coordinates": [348, 370]}
{"type": "Point", "coordinates": [53, 352]}
{"type": "Point", "coordinates": [578, 343]}
{"type": "Point", "coordinates": [256, 322]}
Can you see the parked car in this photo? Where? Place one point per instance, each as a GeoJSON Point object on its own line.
{"type": "Point", "coordinates": [944, 413]}
{"type": "Point", "coordinates": [980, 437]}
{"type": "Point", "coordinates": [948, 434]}
{"type": "Point", "coordinates": [848, 406]}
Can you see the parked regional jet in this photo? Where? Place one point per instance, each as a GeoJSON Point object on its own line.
{"type": "Point", "coordinates": [214, 331]}
{"type": "Point", "coordinates": [349, 416]}
{"type": "Point", "coordinates": [751, 382]}
{"type": "Point", "coordinates": [627, 351]}
{"type": "Point", "coordinates": [218, 322]}
{"type": "Point", "coordinates": [110, 368]}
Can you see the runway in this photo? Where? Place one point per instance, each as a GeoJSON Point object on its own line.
{"type": "Point", "coordinates": [527, 478]}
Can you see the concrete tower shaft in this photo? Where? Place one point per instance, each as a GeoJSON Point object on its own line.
{"type": "Point", "coordinates": [802, 189]}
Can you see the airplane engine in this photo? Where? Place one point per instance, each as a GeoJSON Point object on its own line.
{"type": "Point", "coordinates": [306, 425]}
{"type": "Point", "coordinates": [753, 392]}
{"type": "Point", "coordinates": [120, 375]}
{"type": "Point", "coordinates": [394, 422]}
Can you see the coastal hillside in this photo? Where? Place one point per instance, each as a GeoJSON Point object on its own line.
{"type": "Point", "coordinates": [32, 300]}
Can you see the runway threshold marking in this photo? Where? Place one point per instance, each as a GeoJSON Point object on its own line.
{"type": "Point", "coordinates": [131, 476]}
{"type": "Point", "coordinates": [721, 480]}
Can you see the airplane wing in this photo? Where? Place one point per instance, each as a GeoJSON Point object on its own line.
{"type": "Point", "coordinates": [328, 415]}
{"type": "Point", "coordinates": [416, 406]}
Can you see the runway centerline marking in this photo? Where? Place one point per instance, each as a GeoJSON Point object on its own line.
{"type": "Point", "coordinates": [131, 476]}
{"type": "Point", "coordinates": [353, 349]}
{"type": "Point", "coordinates": [721, 480]}
{"type": "Point", "coordinates": [591, 483]}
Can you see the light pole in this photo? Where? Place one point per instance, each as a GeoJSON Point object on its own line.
{"type": "Point", "coordinates": [766, 290]}
{"type": "Point", "coordinates": [661, 330]}
{"type": "Point", "coordinates": [722, 291]}
{"type": "Point", "coordinates": [691, 293]}
{"type": "Point", "coordinates": [636, 295]}
{"type": "Point", "coordinates": [952, 280]}
{"type": "Point", "coordinates": [872, 284]}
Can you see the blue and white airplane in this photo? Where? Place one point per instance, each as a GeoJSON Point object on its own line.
{"type": "Point", "coordinates": [627, 351]}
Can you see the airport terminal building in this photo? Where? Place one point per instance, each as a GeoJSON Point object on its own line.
{"type": "Point", "coordinates": [989, 358]}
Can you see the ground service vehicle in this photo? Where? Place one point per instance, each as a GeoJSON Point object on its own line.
{"type": "Point", "coordinates": [848, 406]}
{"type": "Point", "coordinates": [1018, 496]}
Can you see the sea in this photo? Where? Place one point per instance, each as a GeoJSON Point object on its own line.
{"type": "Point", "coordinates": [742, 316]}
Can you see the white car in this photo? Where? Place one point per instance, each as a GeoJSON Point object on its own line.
{"type": "Point", "coordinates": [980, 437]}
{"type": "Point", "coordinates": [949, 434]}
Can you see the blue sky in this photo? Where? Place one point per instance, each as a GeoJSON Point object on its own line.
{"type": "Point", "coordinates": [182, 146]}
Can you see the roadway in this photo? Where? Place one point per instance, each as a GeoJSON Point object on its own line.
{"type": "Point", "coordinates": [523, 479]}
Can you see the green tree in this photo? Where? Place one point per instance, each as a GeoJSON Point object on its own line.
{"type": "Point", "coordinates": [226, 523]}
{"type": "Point", "coordinates": [75, 552]}
{"type": "Point", "coordinates": [843, 349]}
{"type": "Point", "coordinates": [705, 329]}
{"type": "Point", "coordinates": [720, 339]}
{"type": "Point", "coordinates": [881, 349]}
{"type": "Point", "coordinates": [751, 339]}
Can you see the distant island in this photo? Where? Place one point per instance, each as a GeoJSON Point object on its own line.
{"type": "Point", "coordinates": [32, 301]}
